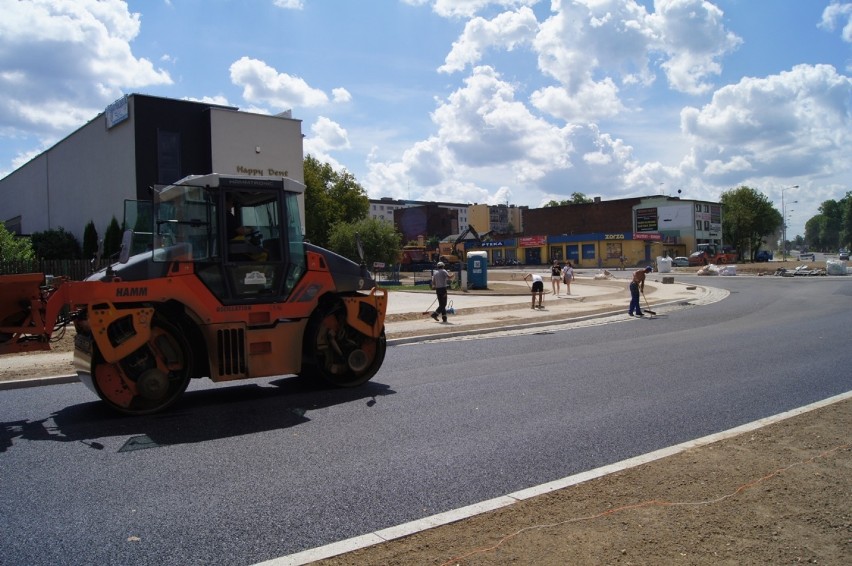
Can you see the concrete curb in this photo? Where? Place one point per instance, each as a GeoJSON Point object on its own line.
{"type": "Point", "coordinates": [518, 326]}
{"type": "Point", "coordinates": [568, 317]}
{"type": "Point", "coordinates": [37, 382]}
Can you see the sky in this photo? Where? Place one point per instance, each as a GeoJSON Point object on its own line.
{"type": "Point", "coordinates": [514, 102]}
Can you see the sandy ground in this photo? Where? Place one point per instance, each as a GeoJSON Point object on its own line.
{"type": "Point", "coordinates": [777, 495]}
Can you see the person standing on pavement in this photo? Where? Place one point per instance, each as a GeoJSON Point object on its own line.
{"type": "Point", "coordinates": [637, 285]}
{"type": "Point", "coordinates": [440, 280]}
{"type": "Point", "coordinates": [568, 276]}
{"type": "Point", "coordinates": [555, 277]}
{"type": "Point", "coordinates": [537, 288]}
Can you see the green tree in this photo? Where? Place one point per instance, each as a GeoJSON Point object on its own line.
{"type": "Point", "coordinates": [330, 197]}
{"type": "Point", "coordinates": [56, 244]}
{"type": "Point", "coordinates": [831, 228]}
{"type": "Point", "coordinates": [814, 229]}
{"type": "Point", "coordinates": [90, 240]}
{"type": "Point", "coordinates": [112, 239]}
{"type": "Point", "coordinates": [576, 198]}
{"type": "Point", "coordinates": [13, 248]}
{"type": "Point", "coordinates": [830, 233]}
{"type": "Point", "coordinates": [846, 221]}
{"type": "Point", "coordinates": [381, 242]}
{"type": "Point", "coordinates": [748, 217]}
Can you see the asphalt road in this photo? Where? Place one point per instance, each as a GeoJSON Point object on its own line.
{"type": "Point", "coordinates": [237, 474]}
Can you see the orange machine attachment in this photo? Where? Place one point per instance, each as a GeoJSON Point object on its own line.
{"type": "Point", "coordinates": [24, 326]}
{"type": "Point", "coordinates": [366, 313]}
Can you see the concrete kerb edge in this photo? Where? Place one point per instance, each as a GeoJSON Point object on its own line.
{"type": "Point", "coordinates": [64, 379]}
{"type": "Point", "coordinates": [536, 324]}
{"type": "Point", "coordinates": [37, 382]}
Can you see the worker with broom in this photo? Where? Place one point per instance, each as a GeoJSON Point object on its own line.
{"type": "Point", "coordinates": [537, 288]}
{"type": "Point", "coordinates": [440, 280]}
{"type": "Point", "coordinates": [637, 285]}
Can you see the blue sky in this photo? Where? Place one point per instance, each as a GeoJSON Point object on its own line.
{"type": "Point", "coordinates": [502, 101]}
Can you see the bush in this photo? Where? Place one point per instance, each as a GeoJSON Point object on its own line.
{"type": "Point", "coordinates": [13, 248]}
{"type": "Point", "coordinates": [90, 240]}
{"type": "Point", "coordinates": [112, 239]}
{"type": "Point", "coordinates": [55, 244]}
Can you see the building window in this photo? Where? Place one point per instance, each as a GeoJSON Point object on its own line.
{"type": "Point", "coordinates": [707, 225]}
{"type": "Point", "coordinates": [168, 157]}
{"type": "Point", "coordinates": [698, 225]}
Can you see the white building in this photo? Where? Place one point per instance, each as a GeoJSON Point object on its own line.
{"type": "Point", "coordinates": [137, 142]}
{"type": "Point", "coordinates": [382, 209]}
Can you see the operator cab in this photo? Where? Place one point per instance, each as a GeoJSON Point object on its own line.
{"type": "Point", "coordinates": [243, 234]}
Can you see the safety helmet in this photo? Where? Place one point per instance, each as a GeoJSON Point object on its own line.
{"type": "Point", "coordinates": [440, 264]}
{"type": "Point", "coordinates": [649, 269]}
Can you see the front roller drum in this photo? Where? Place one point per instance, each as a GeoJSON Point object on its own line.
{"type": "Point", "coordinates": [149, 379]}
{"type": "Point", "coordinates": [337, 353]}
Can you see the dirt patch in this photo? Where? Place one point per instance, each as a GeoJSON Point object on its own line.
{"type": "Point", "coordinates": [778, 495]}
{"type": "Point", "coordinates": [57, 361]}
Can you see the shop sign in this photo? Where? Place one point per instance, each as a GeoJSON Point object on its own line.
{"type": "Point", "coordinates": [531, 241]}
{"type": "Point", "coordinates": [257, 171]}
{"type": "Point", "coordinates": [117, 112]}
{"type": "Point", "coordinates": [646, 219]}
{"type": "Point", "coordinates": [640, 236]}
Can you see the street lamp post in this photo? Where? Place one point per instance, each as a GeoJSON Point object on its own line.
{"type": "Point", "coordinates": [784, 223]}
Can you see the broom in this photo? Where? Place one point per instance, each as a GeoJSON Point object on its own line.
{"type": "Point", "coordinates": [648, 310]}
{"type": "Point", "coordinates": [429, 310]}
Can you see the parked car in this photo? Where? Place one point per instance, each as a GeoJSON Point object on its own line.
{"type": "Point", "coordinates": [680, 262]}
{"type": "Point", "coordinates": [843, 255]}
{"type": "Point", "coordinates": [763, 255]}
{"type": "Point", "coordinates": [808, 255]}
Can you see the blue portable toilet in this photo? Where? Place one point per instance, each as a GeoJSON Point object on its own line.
{"type": "Point", "coordinates": [477, 270]}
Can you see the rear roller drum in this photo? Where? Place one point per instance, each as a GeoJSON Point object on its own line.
{"type": "Point", "coordinates": [338, 354]}
{"type": "Point", "coordinates": [151, 378]}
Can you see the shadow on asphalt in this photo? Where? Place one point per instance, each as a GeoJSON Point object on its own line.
{"type": "Point", "coordinates": [199, 416]}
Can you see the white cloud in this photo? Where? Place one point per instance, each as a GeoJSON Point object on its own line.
{"type": "Point", "coordinates": [219, 100]}
{"type": "Point", "coordinates": [692, 34]}
{"type": "Point", "coordinates": [290, 4]}
{"type": "Point", "coordinates": [63, 61]}
{"type": "Point", "coordinates": [488, 138]}
{"type": "Point", "coordinates": [341, 95]}
{"type": "Point", "coordinates": [591, 101]}
{"type": "Point", "coordinates": [835, 11]}
{"type": "Point", "coordinates": [263, 84]}
{"type": "Point", "coordinates": [507, 30]}
{"type": "Point", "coordinates": [467, 8]}
{"type": "Point", "coordinates": [591, 47]}
{"type": "Point", "coordinates": [794, 123]}
{"type": "Point", "coordinates": [328, 134]}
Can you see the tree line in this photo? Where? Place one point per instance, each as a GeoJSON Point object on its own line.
{"type": "Point", "coordinates": [337, 209]}
{"type": "Point", "coordinates": [749, 218]}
